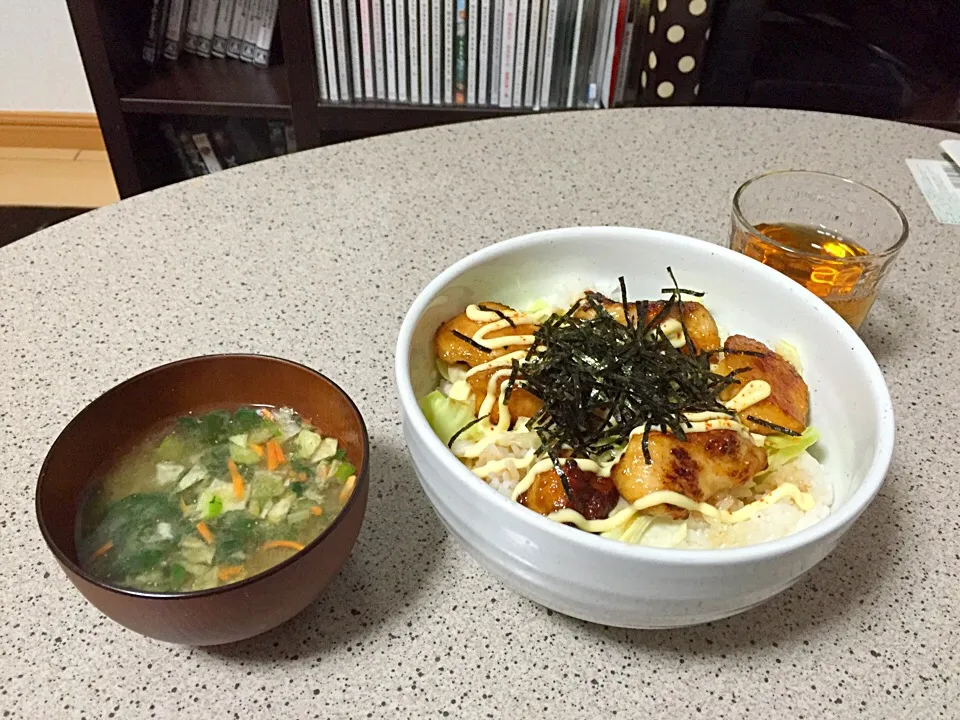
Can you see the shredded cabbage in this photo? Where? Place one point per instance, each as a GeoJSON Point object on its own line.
{"type": "Point", "coordinates": [308, 442]}
{"type": "Point", "coordinates": [445, 416]}
{"type": "Point", "coordinates": [789, 353]}
{"type": "Point", "coordinates": [781, 449]}
{"type": "Point", "coordinates": [193, 476]}
{"type": "Point", "coordinates": [443, 369]}
{"type": "Point", "coordinates": [287, 422]}
{"type": "Point", "coordinates": [169, 472]}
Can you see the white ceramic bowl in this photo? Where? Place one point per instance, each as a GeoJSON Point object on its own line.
{"type": "Point", "coordinates": [595, 578]}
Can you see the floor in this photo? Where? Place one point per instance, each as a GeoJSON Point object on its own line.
{"type": "Point", "coordinates": [42, 186]}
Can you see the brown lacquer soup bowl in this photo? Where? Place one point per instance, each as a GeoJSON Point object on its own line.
{"type": "Point", "coordinates": [121, 418]}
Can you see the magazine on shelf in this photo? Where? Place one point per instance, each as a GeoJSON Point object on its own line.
{"type": "Point", "coordinates": [622, 64]}
{"type": "Point", "coordinates": [378, 59]}
{"type": "Point", "coordinates": [208, 23]}
{"type": "Point", "coordinates": [548, 31]}
{"type": "Point", "coordinates": [607, 31]}
{"type": "Point", "coordinates": [343, 59]}
{"type": "Point", "coordinates": [255, 15]}
{"type": "Point", "coordinates": [569, 100]}
{"type": "Point", "coordinates": [176, 29]}
{"type": "Point", "coordinates": [483, 71]}
{"type": "Point", "coordinates": [519, 67]}
{"type": "Point", "coordinates": [247, 149]}
{"type": "Point", "coordinates": [353, 24]}
{"type": "Point", "coordinates": [319, 50]}
{"type": "Point", "coordinates": [413, 48]}
{"type": "Point", "coordinates": [261, 53]}
{"type": "Point", "coordinates": [366, 47]}
{"type": "Point", "coordinates": [425, 52]}
{"type": "Point", "coordinates": [390, 49]}
{"type": "Point", "coordinates": [593, 93]}
{"type": "Point", "coordinates": [237, 27]}
{"type": "Point", "coordinates": [533, 54]}
{"type": "Point", "coordinates": [193, 155]}
{"type": "Point", "coordinates": [170, 135]}
{"type": "Point", "coordinates": [191, 34]}
{"type": "Point", "coordinates": [403, 72]}
{"type": "Point", "coordinates": [507, 54]}
{"type": "Point", "coordinates": [278, 137]}
{"type": "Point", "coordinates": [460, 55]}
{"type": "Point", "coordinates": [496, 42]}
{"type": "Point", "coordinates": [225, 149]}
{"type": "Point", "coordinates": [566, 12]}
{"type": "Point", "coordinates": [436, 50]}
{"type": "Point", "coordinates": [617, 13]}
{"type": "Point", "coordinates": [473, 26]}
{"type": "Point", "coordinates": [207, 154]}
{"type": "Point", "coordinates": [221, 31]}
{"type": "Point", "coordinates": [329, 49]}
{"type": "Point", "coordinates": [156, 32]}
{"type": "Point", "coordinates": [449, 24]}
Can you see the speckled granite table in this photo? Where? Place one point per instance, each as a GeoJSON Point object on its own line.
{"type": "Point", "coordinates": [412, 626]}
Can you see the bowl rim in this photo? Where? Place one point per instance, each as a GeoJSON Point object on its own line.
{"type": "Point", "coordinates": [74, 567]}
{"type": "Point", "coordinates": [836, 522]}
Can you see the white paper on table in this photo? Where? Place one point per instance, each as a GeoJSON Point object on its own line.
{"type": "Point", "coordinates": [939, 181]}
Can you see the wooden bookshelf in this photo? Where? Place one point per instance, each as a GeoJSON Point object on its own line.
{"type": "Point", "coordinates": [198, 86]}
{"type": "Point", "coordinates": [131, 100]}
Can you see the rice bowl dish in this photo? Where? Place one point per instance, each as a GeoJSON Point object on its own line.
{"type": "Point", "coordinates": [636, 420]}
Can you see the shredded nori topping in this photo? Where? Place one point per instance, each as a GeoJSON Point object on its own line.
{"type": "Point", "coordinates": [495, 311]}
{"type": "Point", "coordinates": [468, 339]}
{"type": "Point", "coordinates": [599, 379]}
{"type": "Point", "coordinates": [773, 426]}
{"type": "Point", "coordinates": [466, 427]}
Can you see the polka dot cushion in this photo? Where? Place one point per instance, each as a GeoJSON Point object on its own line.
{"type": "Point", "coordinates": [674, 48]}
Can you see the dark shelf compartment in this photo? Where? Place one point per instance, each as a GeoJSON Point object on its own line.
{"type": "Point", "coordinates": [201, 86]}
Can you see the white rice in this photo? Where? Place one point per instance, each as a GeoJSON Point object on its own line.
{"type": "Point", "coordinates": [774, 521]}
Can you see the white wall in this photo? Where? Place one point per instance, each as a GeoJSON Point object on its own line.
{"type": "Point", "coordinates": [40, 66]}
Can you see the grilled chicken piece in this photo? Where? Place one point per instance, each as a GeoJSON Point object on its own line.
{"type": "Point", "coordinates": [522, 403]}
{"type": "Point", "coordinates": [591, 495]}
{"type": "Point", "coordinates": [698, 467]}
{"type": "Point", "coordinates": [700, 324]}
{"type": "Point", "coordinates": [451, 349]}
{"type": "Point", "coordinates": [789, 401]}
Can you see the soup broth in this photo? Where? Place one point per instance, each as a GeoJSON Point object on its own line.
{"type": "Point", "coordinates": [213, 499]}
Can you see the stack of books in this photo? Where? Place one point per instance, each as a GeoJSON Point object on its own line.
{"type": "Point", "coordinates": [205, 147]}
{"type": "Point", "coordinates": [240, 29]}
{"type": "Point", "coordinates": [507, 53]}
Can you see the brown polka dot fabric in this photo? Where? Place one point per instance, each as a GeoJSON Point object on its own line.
{"type": "Point", "coordinates": [675, 42]}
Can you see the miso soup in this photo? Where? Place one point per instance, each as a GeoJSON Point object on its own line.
{"type": "Point", "coordinates": [212, 500]}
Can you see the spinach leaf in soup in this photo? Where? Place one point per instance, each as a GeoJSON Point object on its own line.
{"type": "Point", "coordinates": [142, 529]}
{"type": "Point", "coordinates": [244, 420]}
{"type": "Point", "coordinates": [215, 458]}
{"type": "Point", "coordinates": [213, 428]}
{"type": "Point", "coordinates": [237, 535]}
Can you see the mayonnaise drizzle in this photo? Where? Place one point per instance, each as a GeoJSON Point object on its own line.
{"type": "Point", "coordinates": [503, 360]}
{"type": "Point", "coordinates": [493, 322]}
{"type": "Point", "coordinates": [750, 394]}
{"type": "Point", "coordinates": [568, 515]}
{"type": "Point", "coordinates": [495, 466]}
{"type": "Point", "coordinates": [543, 466]}
{"type": "Point", "coordinates": [673, 331]}
{"type": "Point", "coordinates": [802, 500]}
{"type": "Point", "coordinates": [492, 395]}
